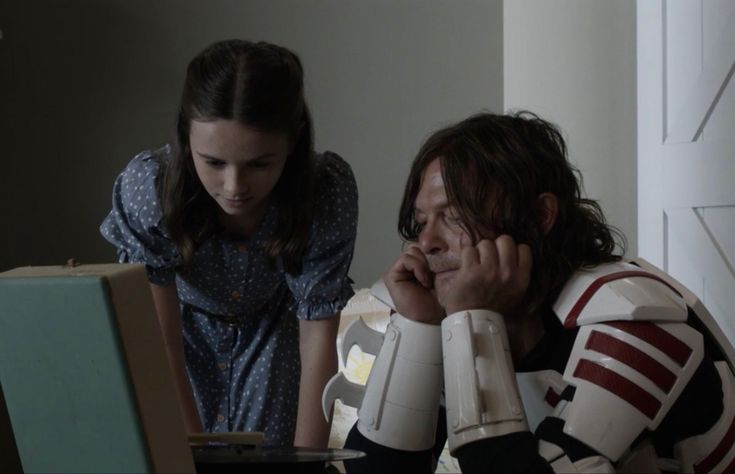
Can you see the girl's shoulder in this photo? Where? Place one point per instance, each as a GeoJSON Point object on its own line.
{"type": "Point", "coordinates": [136, 188]}
{"type": "Point", "coordinates": [333, 173]}
{"type": "Point", "coordinates": [336, 193]}
{"type": "Point", "coordinates": [146, 164]}
{"type": "Point", "coordinates": [134, 225]}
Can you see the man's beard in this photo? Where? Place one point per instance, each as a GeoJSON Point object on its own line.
{"type": "Point", "coordinates": [442, 263]}
{"type": "Point", "coordinates": [437, 265]}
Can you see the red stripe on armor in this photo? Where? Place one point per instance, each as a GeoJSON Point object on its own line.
{"type": "Point", "coordinates": [719, 453]}
{"type": "Point", "coordinates": [618, 385]}
{"type": "Point", "coordinates": [632, 357]}
{"type": "Point", "coordinates": [659, 338]}
{"type": "Point", "coordinates": [571, 320]}
{"type": "Point", "coordinates": [552, 398]}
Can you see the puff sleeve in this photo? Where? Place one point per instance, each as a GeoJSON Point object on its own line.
{"type": "Point", "coordinates": [134, 224]}
{"type": "Point", "coordinates": [323, 287]}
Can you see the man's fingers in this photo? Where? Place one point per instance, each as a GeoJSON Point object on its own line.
{"type": "Point", "coordinates": [469, 257]}
{"type": "Point", "coordinates": [415, 251]}
{"type": "Point", "coordinates": [413, 265]}
{"type": "Point", "coordinates": [419, 265]}
{"type": "Point", "coordinates": [488, 254]}
{"type": "Point", "coordinates": [507, 256]}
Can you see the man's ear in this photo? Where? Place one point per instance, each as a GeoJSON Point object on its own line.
{"type": "Point", "coordinates": [547, 206]}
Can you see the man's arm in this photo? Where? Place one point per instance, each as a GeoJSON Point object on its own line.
{"type": "Point", "coordinates": [166, 302]}
{"type": "Point", "coordinates": [318, 351]}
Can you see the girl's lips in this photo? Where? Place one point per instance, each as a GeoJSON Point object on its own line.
{"type": "Point", "coordinates": [237, 202]}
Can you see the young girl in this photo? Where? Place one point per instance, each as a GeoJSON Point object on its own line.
{"type": "Point", "coordinates": [247, 236]}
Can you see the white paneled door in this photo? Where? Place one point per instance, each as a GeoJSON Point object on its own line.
{"type": "Point", "coordinates": [686, 146]}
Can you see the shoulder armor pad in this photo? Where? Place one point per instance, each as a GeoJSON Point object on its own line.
{"type": "Point", "coordinates": [618, 292]}
{"type": "Point", "coordinates": [627, 375]}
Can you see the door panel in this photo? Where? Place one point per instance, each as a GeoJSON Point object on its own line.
{"type": "Point", "coordinates": [686, 146]}
{"type": "Point", "coordinates": [696, 78]}
{"type": "Point", "coordinates": [699, 254]}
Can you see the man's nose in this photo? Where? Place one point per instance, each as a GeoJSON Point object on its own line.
{"type": "Point", "coordinates": [430, 239]}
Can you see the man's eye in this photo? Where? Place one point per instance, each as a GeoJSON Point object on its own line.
{"type": "Point", "coordinates": [453, 220]}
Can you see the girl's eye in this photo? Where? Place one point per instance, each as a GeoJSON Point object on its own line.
{"type": "Point", "coordinates": [215, 163]}
{"type": "Point", "coordinates": [259, 164]}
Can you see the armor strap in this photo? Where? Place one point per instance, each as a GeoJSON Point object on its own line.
{"type": "Point", "coordinates": [401, 402]}
{"type": "Point", "coordinates": [481, 390]}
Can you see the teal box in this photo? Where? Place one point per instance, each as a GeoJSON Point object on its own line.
{"type": "Point", "coordinates": [69, 342]}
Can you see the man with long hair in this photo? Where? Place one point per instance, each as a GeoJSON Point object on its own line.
{"type": "Point", "coordinates": [556, 354]}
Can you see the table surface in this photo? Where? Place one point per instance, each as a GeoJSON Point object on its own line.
{"type": "Point", "coordinates": [259, 454]}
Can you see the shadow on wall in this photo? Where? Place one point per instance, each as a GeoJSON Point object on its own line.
{"type": "Point", "coordinates": [84, 85]}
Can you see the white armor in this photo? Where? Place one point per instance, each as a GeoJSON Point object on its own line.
{"type": "Point", "coordinates": [632, 357]}
{"type": "Point", "coordinates": [398, 407]}
{"type": "Point", "coordinates": [481, 390]}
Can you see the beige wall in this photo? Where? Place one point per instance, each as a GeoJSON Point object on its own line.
{"type": "Point", "coordinates": [573, 62]}
{"type": "Point", "coordinates": [86, 84]}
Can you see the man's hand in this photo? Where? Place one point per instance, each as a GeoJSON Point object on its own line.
{"type": "Point", "coordinates": [410, 284]}
{"type": "Point", "coordinates": [493, 275]}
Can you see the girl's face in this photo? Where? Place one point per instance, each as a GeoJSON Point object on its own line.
{"type": "Point", "coordinates": [238, 166]}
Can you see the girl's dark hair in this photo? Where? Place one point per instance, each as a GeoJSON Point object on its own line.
{"type": "Point", "coordinates": [259, 85]}
{"type": "Point", "coordinates": [494, 167]}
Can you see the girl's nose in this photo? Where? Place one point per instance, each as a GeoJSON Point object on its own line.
{"type": "Point", "coordinates": [236, 182]}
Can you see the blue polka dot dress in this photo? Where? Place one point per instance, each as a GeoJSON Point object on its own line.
{"type": "Point", "coordinates": [240, 313]}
